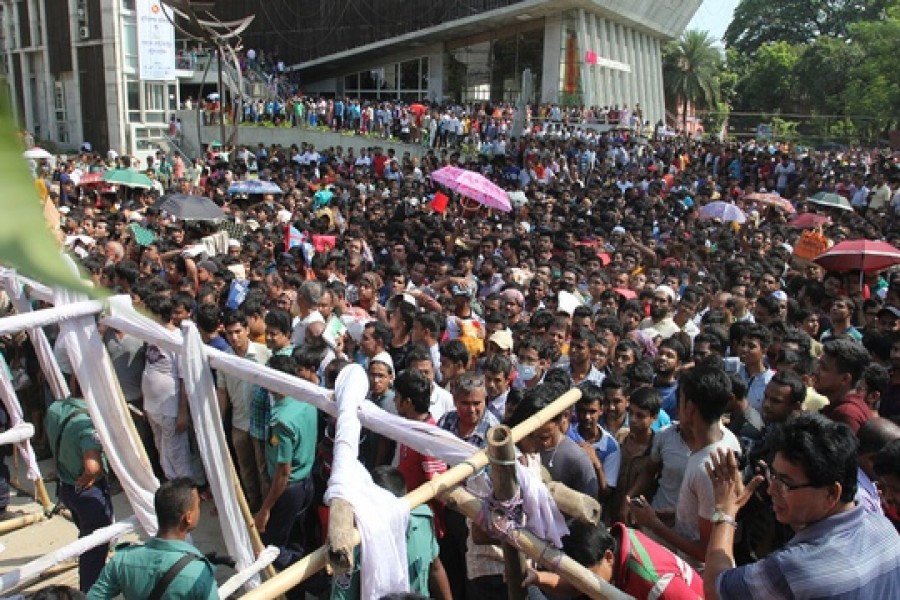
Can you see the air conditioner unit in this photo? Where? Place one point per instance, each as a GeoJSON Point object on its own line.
{"type": "Point", "coordinates": [84, 32]}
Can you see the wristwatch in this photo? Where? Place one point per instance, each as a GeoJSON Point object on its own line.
{"type": "Point", "coordinates": [720, 517]}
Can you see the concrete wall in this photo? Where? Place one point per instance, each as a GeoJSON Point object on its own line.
{"type": "Point", "coordinates": [252, 136]}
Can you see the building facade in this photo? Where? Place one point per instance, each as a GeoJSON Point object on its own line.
{"type": "Point", "coordinates": [578, 52]}
{"type": "Point", "coordinates": [77, 69]}
{"type": "Point", "coordinates": [74, 76]}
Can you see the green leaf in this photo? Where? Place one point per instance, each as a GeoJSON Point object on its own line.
{"type": "Point", "coordinates": [26, 242]}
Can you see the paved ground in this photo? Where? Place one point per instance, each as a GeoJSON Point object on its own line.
{"type": "Point", "coordinates": [38, 539]}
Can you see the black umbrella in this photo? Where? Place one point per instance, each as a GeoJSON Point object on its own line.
{"type": "Point", "coordinates": [190, 208]}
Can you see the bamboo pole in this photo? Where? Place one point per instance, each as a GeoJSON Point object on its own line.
{"type": "Point", "coordinates": [41, 495]}
{"type": "Point", "coordinates": [342, 537]}
{"type": "Point", "coordinates": [505, 486]}
{"type": "Point", "coordinates": [543, 552]}
{"type": "Point", "coordinates": [19, 522]}
{"type": "Point", "coordinates": [312, 563]}
{"type": "Point", "coordinates": [572, 503]}
{"type": "Point", "coordinates": [255, 539]}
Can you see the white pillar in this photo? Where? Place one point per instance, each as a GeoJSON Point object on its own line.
{"type": "Point", "coordinates": [586, 71]}
{"type": "Point", "coordinates": [634, 62]}
{"type": "Point", "coordinates": [644, 74]}
{"type": "Point", "coordinates": [658, 77]}
{"type": "Point", "coordinates": [603, 52]}
{"type": "Point", "coordinates": [614, 44]}
{"type": "Point", "coordinates": [552, 57]}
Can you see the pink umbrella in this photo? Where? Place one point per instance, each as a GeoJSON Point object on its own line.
{"type": "Point", "coordinates": [447, 176]}
{"type": "Point", "coordinates": [770, 199]}
{"type": "Point", "coordinates": [477, 187]}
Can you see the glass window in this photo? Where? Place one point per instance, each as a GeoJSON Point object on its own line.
{"type": "Point", "coordinates": [59, 100]}
{"type": "Point", "coordinates": [133, 94]}
{"type": "Point", "coordinates": [154, 96]}
{"type": "Point", "coordinates": [130, 44]}
{"type": "Point", "coordinates": [351, 82]}
{"type": "Point", "coordinates": [409, 75]}
{"type": "Point", "coordinates": [388, 79]}
{"type": "Point", "coordinates": [367, 80]}
{"type": "Point", "coordinates": [423, 85]}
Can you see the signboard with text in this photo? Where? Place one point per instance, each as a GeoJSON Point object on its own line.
{"type": "Point", "coordinates": [156, 41]}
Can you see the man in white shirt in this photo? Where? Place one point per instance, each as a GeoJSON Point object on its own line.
{"type": "Point", "coordinates": [703, 396]}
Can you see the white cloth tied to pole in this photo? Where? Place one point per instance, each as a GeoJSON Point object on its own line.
{"type": "Point", "coordinates": [17, 434]}
{"type": "Point", "coordinates": [381, 517]}
{"type": "Point", "coordinates": [207, 423]}
{"type": "Point", "coordinates": [55, 379]}
{"type": "Point", "coordinates": [14, 410]}
{"type": "Point", "coordinates": [544, 518]}
{"type": "Point", "coordinates": [34, 569]}
{"type": "Point", "coordinates": [108, 410]}
{"type": "Point", "coordinates": [266, 558]}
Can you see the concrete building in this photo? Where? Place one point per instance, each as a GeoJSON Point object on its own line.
{"type": "Point", "coordinates": [582, 52]}
{"type": "Point", "coordinates": [78, 69]}
{"type": "Point", "coordinates": [74, 74]}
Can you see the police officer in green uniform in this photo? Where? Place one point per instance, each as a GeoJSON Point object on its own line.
{"type": "Point", "coordinates": [167, 566]}
{"type": "Point", "coordinates": [83, 486]}
{"type": "Point", "coordinates": [290, 452]}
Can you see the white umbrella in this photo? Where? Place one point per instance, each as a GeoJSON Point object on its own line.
{"type": "Point", "coordinates": [37, 154]}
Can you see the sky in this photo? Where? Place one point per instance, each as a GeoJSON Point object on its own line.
{"type": "Point", "coordinates": [714, 16]}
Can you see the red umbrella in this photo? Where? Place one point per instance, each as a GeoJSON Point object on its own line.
{"type": "Point", "coordinates": [859, 255]}
{"type": "Point", "coordinates": [808, 221]}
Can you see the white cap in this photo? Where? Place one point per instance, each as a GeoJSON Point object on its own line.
{"type": "Point", "coordinates": [234, 244]}
{"type": "Point", "coordinates": [383, 357]}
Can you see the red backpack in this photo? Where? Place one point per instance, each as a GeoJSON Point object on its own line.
{"type": "Point", "coordinates": [648, 570]}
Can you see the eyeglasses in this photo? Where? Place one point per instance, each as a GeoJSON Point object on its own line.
{"type": "Point", "coordinates": [776, 481]}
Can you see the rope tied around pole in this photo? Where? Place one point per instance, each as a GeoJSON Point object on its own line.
{"type": "Point", "coordinates": [501, 518]}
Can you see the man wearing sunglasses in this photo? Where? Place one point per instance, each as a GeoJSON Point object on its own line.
{"type": "Point", "coordinates": [839, 550]}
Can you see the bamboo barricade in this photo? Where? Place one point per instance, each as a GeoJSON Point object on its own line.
{"type": "Point", "coordinates": [541, 551]}
{"type": "Point", "coordinates": [316, 560]}
{"type": "Point", "coordinates": [505, 486]}
{"type": "Point", "coordinates": [21, 521]}
{"type": "Point", "coordinates": [255, 539]}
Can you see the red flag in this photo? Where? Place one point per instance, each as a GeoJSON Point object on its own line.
{"type": "Point", "coordinates": [439, 202]}
{"type": "Point", "coordinates": [324, 243]}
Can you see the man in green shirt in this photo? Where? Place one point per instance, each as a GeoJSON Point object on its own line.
{"type": "Point", "coordinates": [290, 452]}
{"type": "Point", "coordinates": [138, 572]}
{"type": "Point", "coordinates": [83, 486]}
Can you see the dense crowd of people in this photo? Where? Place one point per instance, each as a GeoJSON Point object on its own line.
{"type": "Point", "coordinates": [739, 412]}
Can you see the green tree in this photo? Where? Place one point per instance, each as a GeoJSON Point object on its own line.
{"type": "Point", "coordinates": [691, 71]}
{"type": "Point", "coordinates": [758, 22]}
{"type": "Point", "coordinates": [821, 73]}
{"type": "Point", "coordinates": [873, 88]}
{"type": "Point", "coordinates": [768, 84]}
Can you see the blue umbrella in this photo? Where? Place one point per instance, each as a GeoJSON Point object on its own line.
{"type": "Point", "coordinates": [254, 186]}
{"type": "Point", "coordinates": [724, 211]}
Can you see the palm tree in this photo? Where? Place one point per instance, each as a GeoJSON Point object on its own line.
{"type": "Point", "coordinates": [690, 70]}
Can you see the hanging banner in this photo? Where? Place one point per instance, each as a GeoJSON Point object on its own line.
{"type": "Point", "coordinates": [156, 41]}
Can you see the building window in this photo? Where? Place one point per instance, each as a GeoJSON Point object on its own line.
{"type": "Point", "coordinates": [155, 102]}
{"type": "Point", "coordinates": [59, 100]}
{"type": "Point", "coordinates": [395, 81]}
{"type": "Point", "coordinates": [133, 95]}
{"type": "Point", "coordinates": [130, 44]}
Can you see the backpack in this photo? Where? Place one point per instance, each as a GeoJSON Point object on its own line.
{"type": "Point", "coordinates": [647, 569]}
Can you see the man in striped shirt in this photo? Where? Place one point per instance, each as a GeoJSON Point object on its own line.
{"type": "Point", "coordinates": [840, 550]}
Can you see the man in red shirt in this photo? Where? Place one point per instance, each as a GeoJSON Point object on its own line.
{"type": "Point", "coordinates": [412, 398]}
{"type": "Point", "coordinates": [837, 373]}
